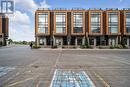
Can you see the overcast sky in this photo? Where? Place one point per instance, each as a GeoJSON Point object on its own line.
{"type": "Point", "coordinates": [21, 25]}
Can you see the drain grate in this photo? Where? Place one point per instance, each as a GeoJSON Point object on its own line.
{"type": "Point", "coordinates": [67, 78]}
{"type": "Point", "coordinates": [5, 70]}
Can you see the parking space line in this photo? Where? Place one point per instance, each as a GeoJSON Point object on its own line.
{"type": "Point", "coordinates": [37, 85]}
{"type": "Point", "coordinates": [122, 60]}
{"type": "Point", "coordinates": [100, 78]}
{"type": "Point", "coordinates": [18, 82]}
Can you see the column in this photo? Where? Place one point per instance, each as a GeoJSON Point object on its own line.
{"type": "Point", "coordinates": [37, 41]}
{"type": "Point", "coordinates": [113, 42]}
{"type": "Point", "coordinates": [88, 41]}
{"type": "Point", "coordinates": [109, 41]}
{"type": "Point", "coordinates": [54, 41]}
{"type": "Point", "coordinates": [128, 41]}
{"type": "Point", "coordinates": [61, 42]}
{"type": "Point", "coordinates": [116, 40]}
{"type": "Point", "coordinates": [45, 41]}
{"type": "Point", "coordinates": [2, 41]}
{"type": "Point", "coordinates": [76, 41]}
{"type": "Point", "coordinates": [95, 41]}
{"type": "Point", "coordinates": [68, 41]}
{"type": "Point", "coordinates": [83, 41]}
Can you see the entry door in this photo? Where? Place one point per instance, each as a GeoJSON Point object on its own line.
{"type": "Point", "coordinates": [59, 42]}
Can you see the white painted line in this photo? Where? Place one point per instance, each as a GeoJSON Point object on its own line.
{"type": "Point", "coordinates": [20, 82]}
{"type": "Point", "coordinates": [89, 79]}
{"type": "Point", "coordinates": [100, 78]}
{"type": "Point", "coordinates": [51, 85]}
{"type": "Point", "coordinates": [120, 59]}
{"type": "Point", "coordinates": [13, 76]}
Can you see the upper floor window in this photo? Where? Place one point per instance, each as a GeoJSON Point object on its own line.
{"type": "Point", "coordinates": [78, 22]}
{"type": "Point", "coordinates": [43, 22]}
{"type": "Point", "coordinates": [113, 22]}
{"type": "Point", "coordinates": [60, 22]}
{"type": "Point", "coordinates": [128, 22]}
{"type": "Point", "coordinates": [95, 22]}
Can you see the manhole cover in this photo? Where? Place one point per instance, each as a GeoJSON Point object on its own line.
{"type": "Point", "coordinates": [66, 78]}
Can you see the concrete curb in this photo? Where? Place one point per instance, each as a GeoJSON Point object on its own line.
{"type": "Point", "coordinates": [3, 47]}
{"type": "Point", "coordinates": [84, 49]}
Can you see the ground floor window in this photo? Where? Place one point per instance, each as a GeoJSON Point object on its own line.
{"type": "Point", "coordinates": [41, 41]}
{"type": "Point", "coordinates": [72, 41]}
{"type": "Point", "coordinates": [91, 41]}
{"type": "Point", "coordinates": [64, 40]}
{"type": "Point", "coordinates": [79, 41]}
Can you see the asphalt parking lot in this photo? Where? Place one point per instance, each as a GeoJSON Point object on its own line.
{"type": "Point", "coordinates": [36, 67]}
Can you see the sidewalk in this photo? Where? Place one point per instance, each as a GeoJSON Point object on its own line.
{"type": "Point", "coordinates": [2, 47]}
{"type": "Point", "coordinates": [82, 49]}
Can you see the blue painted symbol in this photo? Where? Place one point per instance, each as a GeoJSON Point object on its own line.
{"type": "Point", "coordinates": [5, 70]}
{"type": "Point", "coordinates": [71, 79]}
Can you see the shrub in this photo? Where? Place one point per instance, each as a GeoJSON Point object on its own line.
{"type": "Point", "coordinates": [82, 46]}
{"type": "Point", "coordinates": [103, 47]}
{"type": "Point", "coordinates": [86, 46]}
{"type": "Point", "coordinates": [119, 46]}
{"type": "Point", "coordinates": [112, 47]}
{"type": "Point", "coordinates": [36, 47]}
{"type": "Point", "coordinates": [55, 46]}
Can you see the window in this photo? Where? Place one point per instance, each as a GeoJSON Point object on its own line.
{"type": "Point", "coordinates": [95, 22]}
{"type": "Point", "coordinates": [43, 22]}
{"type": "Point", "coordinates": [60, 22]}
{"type": "Point", "coordinates": [78, 22]}
{"type": "Point", "coordinates": [128, 22]}
{"type": "Point", "coordinates": [113, 22]}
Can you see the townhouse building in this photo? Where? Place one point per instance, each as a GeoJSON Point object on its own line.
{"type": "Point", "coordinates": [75, 27]}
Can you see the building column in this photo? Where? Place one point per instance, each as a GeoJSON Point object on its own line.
{"type": "Point", "coordinates": [45, 41]}
{"type": "Point", "coordinates": [128, 41]}
{"type": "Point", "coordinates": [95, 41]}
{"type": "Point", "coordinates": [37, 41]}
{"type": "Point", "coordinates": [7, 42]}
{"type": "Point", "coordinates": [1, 41]}
{"type": "Point", "coordinates": [68, 42]}
{"type": "Point", "coordinates": [76, 41]}
{"type": "Point", "coordinates": [88, 41]}
{"type": "Point", "coordinates": [54, 41]}
{"type": "Point", "coordinates": [83, 41]}
{"type": "Point", "coordinates": [113, 41]}
{"type": "Point", "coordinates": [119, 40]}
{"type": "Point", "coordinates": [116, 41]}
{"type": "Point", "coordinates": [61, 42]}
{"type": "Point", "coordinates": [109, 41]}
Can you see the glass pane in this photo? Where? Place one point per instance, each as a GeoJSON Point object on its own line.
{"type": "Point", "coordinates": [95, 29]}
{"type": "Point", "coordinates": [60, 30]}
{"type": "Point", "coordinates": [78, 29]}
{"type": "Point", "coordinates": [128, 17]}
{"type": "Point", "coordinates": [128, 29]}
{"type": "Point", "coordinates": [113, 29]}
{"type": "Point", "coordinates": [113, 18]}
{"type": "Point", "coordinates": [95, 18]}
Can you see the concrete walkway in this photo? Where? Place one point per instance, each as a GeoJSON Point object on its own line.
{"type": "Point", "coordinates": [82, 49]}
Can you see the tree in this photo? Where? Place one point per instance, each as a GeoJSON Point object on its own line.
{"type": "Point", "coordinates": [10, 41]}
